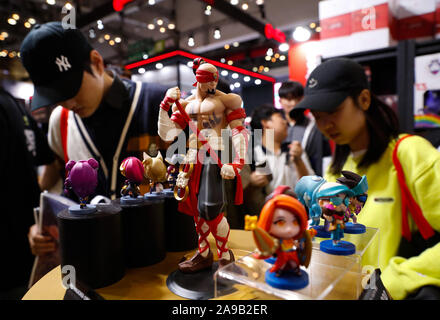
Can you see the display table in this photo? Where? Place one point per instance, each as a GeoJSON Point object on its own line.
{"type": "Point", "coordinates": [149, 283]}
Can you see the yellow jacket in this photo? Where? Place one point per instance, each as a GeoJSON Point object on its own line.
{"type": "Point", "coordinates": [421, 165]}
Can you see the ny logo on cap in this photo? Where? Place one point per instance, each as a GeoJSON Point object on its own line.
{"type": "Point", "coordinates": [62, 63]}
{"type": "Point", "coordinates": [312, 83]}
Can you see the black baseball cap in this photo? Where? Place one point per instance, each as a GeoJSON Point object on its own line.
{"type": "Point", "coordinates": [331, 83]}
{"type": "Point", "coordinates": [54, 57]}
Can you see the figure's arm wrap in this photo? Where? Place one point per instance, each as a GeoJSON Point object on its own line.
{"type": "Point", "coordinates": [167, 128]}
{"type": "Point", "coordinates": [240, 138]}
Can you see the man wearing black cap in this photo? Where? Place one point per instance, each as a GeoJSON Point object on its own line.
{"type": "Point", "coordinates": [102, 116]}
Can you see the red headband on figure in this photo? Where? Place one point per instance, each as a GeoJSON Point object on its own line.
{"type": "Point", "coordinates": [204, 76]}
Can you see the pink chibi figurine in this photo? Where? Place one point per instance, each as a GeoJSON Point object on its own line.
{"type": "Point", "coordinates": [82, 179]}
{"type": "Point", "coordinates": [282, 232]}
{"type": "Point", "coordinates": [133, 170]}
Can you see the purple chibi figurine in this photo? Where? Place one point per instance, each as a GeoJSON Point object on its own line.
{"type": "Point", "coordinates": [133, 170]}
{"type": "Point", "coordinates": [82, 179]}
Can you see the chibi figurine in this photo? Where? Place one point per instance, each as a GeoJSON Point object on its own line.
{"type": "Point", "coordinates": [199, 184]}
{"type": "Point", "coordinates": [358, 184]}
{"type": "Point", "coordinates": [82, 179]}
{"type": "Point", "coordinates": [155, 172]}
{"type": "Point", "coordinates": [173, 169]}
{"type": "Point", "coordinates": [306, 189]}
{"type": "Point", "coordinates": [133, 170]}
{"type": "Point", "coordinates": [282, 231]}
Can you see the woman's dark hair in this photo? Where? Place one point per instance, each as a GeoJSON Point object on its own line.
{"type": "Point", "coordinates": [382, 126]}
{"type": "Point", "coordinates": [263, 112]}
{"type": "Point", "coordinates": [291, 90]}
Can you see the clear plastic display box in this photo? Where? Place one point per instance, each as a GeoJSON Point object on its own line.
{"type": "Point", "coordinates": [330, 276]}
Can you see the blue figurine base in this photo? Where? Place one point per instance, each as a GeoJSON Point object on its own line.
{"type": "Point", "coordinates": [168, 192]}
{"type": "Point", "coordinates": [271, 260]}
{"type": "Point", "coordinates": [131, 200]}
{"type": "Point", "coordinates": [288, 280]}
{"type": "Point", "coordinates": [354, 228]}
{"type": "Point", "coordinates": [322, 233]}
{"type": "Point", "coordinates": [343, 248]}
{"type": "Point", "coordinates": [154, 196]}
{"type": "Point", "coordinates": [77, 210]}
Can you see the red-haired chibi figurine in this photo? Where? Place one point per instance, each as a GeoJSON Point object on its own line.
{"type": "Point", "coordinates": [281, 231]}
{"type": "Point", "coordinates": [133, 170]}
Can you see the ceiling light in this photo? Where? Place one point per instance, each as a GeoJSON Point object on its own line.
{"type": "Point", "coordinates": [99, 22]}
{"type": "Point", "coordinates": [32, 21]}
{"type": "Point", "coordinates": [222, 60]}
{"type": "Point", "coordinates": [162, 29]}
{"type": "Point", "coordinates": [4, 34]}
{"type": "Point", "coordinates": [92, 33]}
{"type": "Point", "coordinates": [118, 39]}
{"type": "Point", "coordinates": [283, 47]}
{"type": "Point", "coordinates": [159, 22]}
{"type": "Point", "coordinates": [159, 65]}
{"type": "Point", "coordinates": [68, 6]}
{"type": "Point", "coordinates": [190, 64]}
{"type": "Point", "coordinates": [171, 26]}
{"type": "Point", "coordinates": [111, 42]}
{"type": "Point", "coordinates": [234, 2]}
{"type": "Point", "coordinates": [12, 22]}
{"type": "Point", "coordinates": [217, 34]}
{"type": "Point", "coordinates": [237, 84]}
{"type": "Point", "coordinates": [301, 34]}
{"type": "Point", "coordinates": [318, 29]}
{"type": "Point", "coordinates": [230, 62]}
{"type": "Point", "coordinates": [145, 56]}
{"type": "Point", "coordinates": [2, 38]}
{"type": "Point", "coordinates": [235, 75]}
{"type": "Point", "coordinates": [259, 2]}
{"type": "Point", "coordinates": [254, 69]}
{"type": "Point", "coordinates": [266, 69]}
{"type": "Point", "coordinates": [247, 79]}
{"type": "Point", "coordinates": [236, 44]}
{"type": "Point", "coordinates": [282, 58]}
{"type": "Point", "coordinates": [227, 46]}
{"type": "Point", "coordinates": [224, 73]}
{"type": "Point", "coordinates": [107, 37]}
{"type": "Point", "coordinates": [151, 26]}
{"type": "Point", "coordinates": [27, 25]}
{"type": "Point", "coordinates": [257, 81]}
{"type": "Point", "coordinates": [208, 10]}
{"type": "Point", "coordinates": [312, 25]}
{"type": "Point", "coordinates": [231, 86]}
{"type": "Point", "coordinates": [269, 52]}
{"type": "Point", "coordinates": [151, 2]}
{"type": "Point", "coordinates": [15, 16]}
{"type": "Point", "coordinates": [191, 41]}
{"type": "Point", "coordinates": [50, 2]}
{"type": "Point", "coordinates": [267, 58]}
{"type": "Point", "coordinates": [3, 54]}
{"type": "Point", "coordinates": [245, 6]}
{"type": "Point", "coordinates": [100, 25]}
{"type": "Point", "coordinates": [141, 70]}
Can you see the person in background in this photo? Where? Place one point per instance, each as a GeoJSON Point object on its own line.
{"type": "Point", "coordinates": [24, 147]}
{"type": "Point", "coordinates": [274, 162]}
{"type": "Point", "coordinates": [100, 115]}
{"type": "Point", "coordinates": [302, 128]}
{"type": "Point", "coordinates": [366, 134]}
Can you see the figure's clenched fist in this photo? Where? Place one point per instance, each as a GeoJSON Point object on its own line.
{"type": "Point", "coordinates": [173, 93]}
{"type": "Point", "coordinates": [227, 172]}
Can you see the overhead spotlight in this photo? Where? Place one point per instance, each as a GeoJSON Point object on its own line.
{"type": "Point", "coordinates": [151, 26]}
{"type": "Point", "coordinates": [222, 60]}
{"type": "Point", "coordinates": [32, 21]}
{"type": "Point", "coordinates": [208, 10]}
{"type": "Point", "coordinates": [92, 33]}
{"type": "Point", "coordinates": [4, 34]}
{"type": "Point", "coordinates": [27, 25]}
{"type": "Point", "coordinates": [50, 2]}
{"type": "Point", "coordinates": [247, 79]}
{"type": "Point", "coordinates": [190, 64]}
{"type": "Point", "coordinates": [237, 84]}
{"type": "Point", "coordinates": [301, 34]}
{"type": "Point", "coordinates": [159, 22]}
{"type": "Point", "coordinates": [68, 6]}
{"type": "Point", "coordinates": [257, 82]}
{"type": "Point", "coordinates": [217, 34]}
{"type": "Point", "coordinates": [151, 2]}
{"type": "Point", "coordinates": [162, 29]}
{"type": "Point", "coordinates": [283, 47]}
{"type": "Point", "coordinates": [159, 65]}
{"type": "Point", "coordinates": [118, 40]}
{"type": "Point", "coordinates": [259, 2]}
{"type": "Point", "coordinates": [245, 6]}
{"type": "Point", "coordinates": [100, 24]}
{"type": "Point", "coordinates": [266, 69]}
{"type": "Point", "coordinates": [274, 59]}
{"type": "Point", "coordinates": [12, 21]}
{"type": "Point", "coordinates": [312, 25]}
{"type": "Point", "coordinates": [145, 56]}
{"type": "Point", "coordinates": [141, 70]}
{"type": "Point", "coordinates": [191, 41]}
{"type": "Point", "coordinates": [107, 37]}
{"type": "Point", "coordinates": [269, 52]}
{"type": "Point", "coordinates": [227, 46]}
{"type": "Point", "coordinates": [235, 75]}
{"type": "Point", "coordinates": [254, 69]}
{"type": "Point", "coordinates": [111, 42]}
{"type": "Point", "coordinates": [231, 86]}
{"type": "Point", "coordinates": [230, 62]}
{"type": "Point", "coordinates": [171, 26]}
{"type": "Point", "coordinates": [224, 73]}
{"type": "Point", "coordinates": [15, 16]}
{"type": "Point", "coordinates": [282, 57]}
{"type": "Point", "coordinates": [234, 2]}
{"type": "Point", "coordinates": [236, 44]}
{"type": "Point", "coordinates": [318, 29]}
{"type": "Point", "coordinates": [267, 58]}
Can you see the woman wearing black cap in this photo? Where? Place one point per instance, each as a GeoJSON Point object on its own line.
{"type": "Point", "coordinates": [368, 142]}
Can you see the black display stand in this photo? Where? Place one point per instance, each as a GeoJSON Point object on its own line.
{"type": "Point", "coordinates": [199, 285]}
{"type": "Point", "coordinates": [181, 232]}
{"type": "Point", "coordinates": [143, 233]}
{"type": "Point", "coordinates": [92, 244]}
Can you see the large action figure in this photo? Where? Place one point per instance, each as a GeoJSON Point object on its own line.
{"type": "Point", "coordinates": [207, 112]}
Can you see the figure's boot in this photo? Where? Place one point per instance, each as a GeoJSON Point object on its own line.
{"type": "Point", "coordinates": [203, 259]}
{"type": "Point", "coordinates": [220, 230]}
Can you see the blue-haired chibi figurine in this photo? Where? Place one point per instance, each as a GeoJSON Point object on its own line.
{"type": "Point", "coordinates": [306, 189]}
